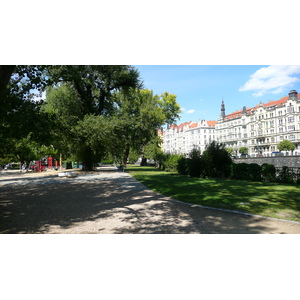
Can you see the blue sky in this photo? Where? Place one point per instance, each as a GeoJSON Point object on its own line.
{"type": "Point", "coordinates": [201, 88]}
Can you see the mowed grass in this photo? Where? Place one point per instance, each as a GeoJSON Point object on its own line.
{"type": "Point", "coordinates": [266, 199]}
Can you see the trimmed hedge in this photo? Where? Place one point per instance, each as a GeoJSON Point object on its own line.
{"type": "Point", "coordinates": [195, 166]}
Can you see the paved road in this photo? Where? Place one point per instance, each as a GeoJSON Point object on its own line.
{"type": "Point", "coordinates": [111, 202]}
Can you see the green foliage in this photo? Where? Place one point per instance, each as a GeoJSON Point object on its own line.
{"type": "Point", "coordinates": [170, 162]}
{"type": "Point", "coordinates": [139, 114]}
{"type": "Point", "coordinates": [243, 171]}
{"type": "Point", "coordinates": [152, 150]}
{"type": "Point", "coordinates": [170, 107]}
{"type": "Point", "coordinates": [182, 167]}
{"type": "Point", "coordinates": [286, 145]}
{"type": "Point", "coordinates": [230, 150]}
{"type": "Point", "coordinates": [194, 163]}
{"type": "Point", "coordinates": [216, 160]}
{"type": "Point", "coordinates": [240, 171]}
{"type": "Point", "coordinates": [286, 175]}
{"type": "Point", "coordinates": [133, 156]}
{"type": "Point", "coordinates": [83, 107]}
{"type": "Point", "coordinates": [243, 150]}
{"type": "Point", "coordinates": [254, 171]}
{"type": "Point", "coordinates": [268, 172]}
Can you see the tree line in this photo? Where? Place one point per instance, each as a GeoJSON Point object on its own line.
{"type": "Point", "coordinates": [89, 112]}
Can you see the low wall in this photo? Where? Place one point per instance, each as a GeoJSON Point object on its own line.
{"type": "Point", "coordinates": [277, 161]}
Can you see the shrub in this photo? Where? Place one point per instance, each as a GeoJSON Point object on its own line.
{"type": "Point", "coordinates": [170, 164]}
{"type": "Point", "coordinates": [182, 166]}
{"type": "Point", "coordinates": [194, 164]}
{"type": "Point", "coordinates": [268, 172]}
{"type": "Point", "coordinates": [216, 161]}
{"type": "Point", "coordinates": [286, 175]}
{"type": "Point", "coordinates": [242, 170]}
{"type": "Point", "coordinates": [233, 171]}
{"type": "Point", "coordinates": [298, 176]}
{"type": "Point", "coordinates": [254, 172]}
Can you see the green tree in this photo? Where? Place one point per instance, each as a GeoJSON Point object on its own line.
{"type": "Point", "coordinates": [83, 102]}
{"type": "Point", "coordinates": [20, 114]}
{"type": "Point", "coordinates": [170, 107]}
{"type": "Point", "coordinates": [140, 115]}
{"type": "Point", "coordinates": [243, 150]}
{"type": "Point", "coordinates": [286, 145]}
{"type": "Point", "coordinates": [216, 160]}
{"type": "Point", "coordinates": [230, 150]}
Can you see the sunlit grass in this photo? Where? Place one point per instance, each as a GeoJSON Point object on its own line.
{"type": "Point", "coordinates": [267, 199]}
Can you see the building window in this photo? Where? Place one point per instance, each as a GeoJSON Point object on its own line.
{"type": "Point", "coordinates": [292, 137]}
{"type": "Point", "coordinates": [291, 119]}
{"type": "Point", "coordinates": [291, 128]}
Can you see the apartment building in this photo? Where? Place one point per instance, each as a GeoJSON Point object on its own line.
{"type": "Point", "coordinates": [181, 139]}
{"type": "Point", "coordinates": [262, 127]}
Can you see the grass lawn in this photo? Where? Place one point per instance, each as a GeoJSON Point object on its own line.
{"type": "Point", "coordinates": [266, 199]}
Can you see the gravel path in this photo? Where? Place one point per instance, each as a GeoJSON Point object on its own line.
{"type": "Point", "coordinates": [111, 202]}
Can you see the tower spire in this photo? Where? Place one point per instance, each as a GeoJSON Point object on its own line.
{"type": "Point", "coordinates": [222, 109]}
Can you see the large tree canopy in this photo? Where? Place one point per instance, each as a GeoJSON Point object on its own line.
{"type": "Point", "coordinates": [20, 114]}
{"type": "Point", "coordinates": [82, 105]}
{"type": "Point", "coordinates": [89, 111]}
{"type": "Point", "coordinates": [140, 115]}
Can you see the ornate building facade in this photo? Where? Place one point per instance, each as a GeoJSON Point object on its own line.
{"type": "Point", "coordinates": [181, 139]}
{"type": "Point", "coordinates": [260, 129]}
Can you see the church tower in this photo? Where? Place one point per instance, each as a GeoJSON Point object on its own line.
{"type": "Point", "coordinates": [222, 110]}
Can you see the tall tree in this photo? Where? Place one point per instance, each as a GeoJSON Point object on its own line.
{"type": "Point", "coordinates": [20, 114]}
{"type": "Point", "coordinates": [216, 160]}
{"type": "Point", "coordinates": [140, 115]}
{"type": "Point", "coordinates": [83, 104]}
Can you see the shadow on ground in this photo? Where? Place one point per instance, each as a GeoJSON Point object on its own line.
{"type": "Point", "coordinates": [107, 207]}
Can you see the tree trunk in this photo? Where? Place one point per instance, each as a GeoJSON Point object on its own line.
{"type": "Point", "coordinates": [126, 154]}
{"type": "Point", "coordinates": [144, 161]}
{"type": "Point", "coordinates": [87, 159]}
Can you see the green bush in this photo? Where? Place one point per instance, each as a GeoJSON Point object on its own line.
{"type": "Point", "coordinates": [182, 167]}
{"type": "Point", "coordinates": [242, 170]}
{"type": "Point", "coordinates": [170, 164]}
{"type": "Point", "coordinates": [233, 171]}
{"type": "Point", "coordinates": [194, 163]}
{"type": "Point", "coordinates": [216, 161]}
{"type": "Point", "coordinates": [254, 172]}
{"type": "Point", "coordinates": [298, 176]}
{"type": "Point", "coordinates": [268, 172]}
{"type": "Point", "coordinates": [286, 175]}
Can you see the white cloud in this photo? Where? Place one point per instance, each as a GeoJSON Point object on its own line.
{"type": "Point", "coordinates": [272, 79]}
{"type": "Point", "coordinates": [191, 111]}
{"type": "Point", "coordinates": [182, 110]}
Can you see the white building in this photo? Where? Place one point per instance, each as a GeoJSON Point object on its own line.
{"type": "Point", "coordinates": [181, 139]}
{"type": "Point", "coordinates": [262, 127]}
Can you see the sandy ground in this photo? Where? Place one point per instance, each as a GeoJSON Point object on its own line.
{"type": "Point", "coordinates": [111, 202]}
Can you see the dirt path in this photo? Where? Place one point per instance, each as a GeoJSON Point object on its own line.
{"type": "Point", "coordinates": [111, 202]}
